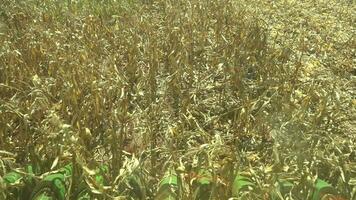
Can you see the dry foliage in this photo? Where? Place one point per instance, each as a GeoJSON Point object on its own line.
{"type": "Point", "coordinates": [256, 86]}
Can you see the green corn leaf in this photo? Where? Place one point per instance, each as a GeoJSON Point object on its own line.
{"type": "Point", "coordinates": [204, 177]}
{"type": "Point", "coordinates": [99, 179]}
{"type": "Point", "coordinates": [59, 179]}
{"type": "Point", "coordinates": [12, 178]}
{"type": "Point", "coordinates": [30, 169]}
{"type": "Point", "coordinates": [53, 177]}
{"type": "Point", "coordinates": [169, 180]}
{"type": "Point", "coordinates": [322, 188]}
{"type": "Point", "coordinates": [61, 188]}
{"type": "Point", "coordinates": [44, 191]}
{"type": "Point", "coordinates": [67, 170]}
{"type": "Point", "coordinates": [168, 188]}
{"type": "Point", "coordinates": [203, 189]}
{"type": "Point", "coordinates": [241, 183]}
{"type": "Point", "coordinates": [99, 176]}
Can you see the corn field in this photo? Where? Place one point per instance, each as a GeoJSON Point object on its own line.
{"type": "Point", "coordinates": [177, 100]}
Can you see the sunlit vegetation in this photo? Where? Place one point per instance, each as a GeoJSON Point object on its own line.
{"type": "Point", "coordinates": [184, 99]}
